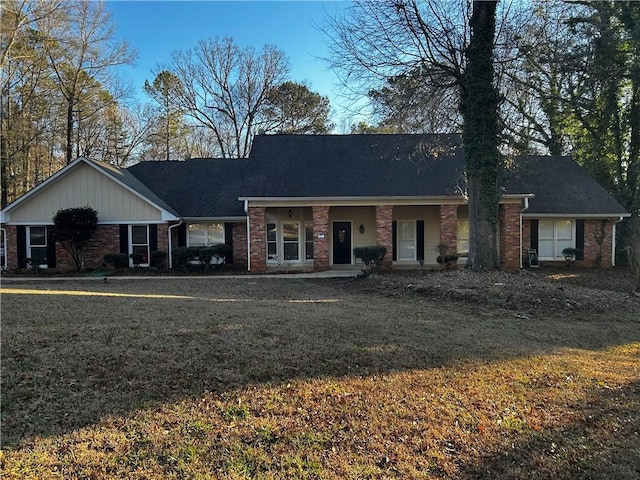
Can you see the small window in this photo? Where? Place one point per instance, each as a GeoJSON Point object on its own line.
{"type": "Point", "coordinates": [272, 242]}
{"type": "Point", "coordinates": [290, 241]}
{"type": "Point", "coordinates": [308, 240]}
{"type": "Point", "coordinates": [407, 240]}
{"type": "Point", "coordinates": [140, 245]}
{"type": "Point", "coordinates": [553, 237]}
{"type": "Point", "coordinates": [463, 236]}
{"type": "Point", "coordinates": [205, 234]}
{"type": "Point", "coordinates": [37, 246]}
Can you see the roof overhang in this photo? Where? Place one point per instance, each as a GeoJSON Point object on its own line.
{"type": "Point", "coordinates": [369, 200]}
{"type": "Point", "coordinates": [241, 218]}
{"type": "Point", "coordinates": [574, 215]}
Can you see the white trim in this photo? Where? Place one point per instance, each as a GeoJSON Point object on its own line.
{"type": "Point", "coordinates": [236, 219]}
{"type": "Point", "coordinates": [558, 254]}
{"type": "Point", "coordinates": [29, 253]}
{"type": "Point", "coordinates": [131, 245]}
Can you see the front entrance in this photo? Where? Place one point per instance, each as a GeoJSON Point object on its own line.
{"type": "Point", "coordinates": [341, 243]}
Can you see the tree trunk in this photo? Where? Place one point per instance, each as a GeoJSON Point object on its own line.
{"type": "Point", "coordinates": [479, 108]}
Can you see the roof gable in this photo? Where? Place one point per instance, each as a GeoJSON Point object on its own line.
{"type": "Point", "coordinates": [92, 183]}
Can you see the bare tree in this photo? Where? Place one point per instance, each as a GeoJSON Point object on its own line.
{"type": "Point", "coordinates": [225, 88]}
{"type": "Point", "coordinates": [82, 53]}
{"type": "Point", "coordinates": [453, 46]}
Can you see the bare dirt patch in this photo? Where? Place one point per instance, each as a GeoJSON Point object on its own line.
{"type": "Point", "coordinates": [528, 291]}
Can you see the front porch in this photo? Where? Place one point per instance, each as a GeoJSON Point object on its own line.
{"type": "Point", "coordinates": [290, 237]}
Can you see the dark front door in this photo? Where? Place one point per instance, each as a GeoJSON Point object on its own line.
{"type": "Point", "coordinates": [341, 243]}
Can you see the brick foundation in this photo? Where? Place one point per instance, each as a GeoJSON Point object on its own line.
{"type": "Point", "coordinates": [598, 243]}
{"type": "Point", "coordinates": [321, 238]}
{"type": "Point", "coordinates": [106, 239]}
{"type": "Point", "coordinates": [11, 242]}
{"type": "Point", "coordinates": [384, 233]}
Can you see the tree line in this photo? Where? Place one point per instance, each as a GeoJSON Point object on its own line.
{"type": "Point", "coordinates": [62, 96]}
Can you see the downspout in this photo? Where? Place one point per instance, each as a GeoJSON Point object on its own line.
{"type": "Point", "coordinates": [526, 206]}
{"type": "Point", "coordinates": [613, 242]}
{"type": "Point", "coordinates": [246, 209]}
{"type": "Point", "coordinates": [4, 235]}
{"type": "Point", "coordinates": [171, 242]}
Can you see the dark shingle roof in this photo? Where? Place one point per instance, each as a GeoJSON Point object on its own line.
{"type": "Point", "coordinates": [322, 166]}
{"type": "Point", "coordinates": [561, 187]}
{"type": "Point", "coordinates": [354, 165]}
{"type": "Point", "coordinates": [199, 187]}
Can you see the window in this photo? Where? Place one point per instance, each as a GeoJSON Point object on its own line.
{"type": "Point", "coordinates": [463, 236]}
{"type": "Point", "coordinates": [205, 234]}
{"type": "Point", "coordinates": [272, 242]}
{"type": "Point", "coordinates": [140, 244]}
{"type": "Point", "coordinates": [308, 240]}
{"type": "Point", "coordinates": [406, 240]}
{"type": "Point", "coordinates": [553, 237]}
{"type": "Point", "coordinates": [291, 241]}
{"type": "Point", "coordinates": [37, 246]}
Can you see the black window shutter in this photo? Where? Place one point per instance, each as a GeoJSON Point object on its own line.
{"type": "Point", "coordinates": [51, 248]}
{"type": "Point", "coordinates": [580, 239]}
{"type": "Point", "coordinates": [534, 235]}
{"type": "Point", "coordinates": [228, 239]}
{"type": "Point", "coordinates": [182, 235]}
{"type": "Point", "coordinates": [21, 238]}
{"type": "Point", "coordinates": [394, 239]}
{"type": "Point", "coordinates": [420, 239]}
{"type": "Point", "coordinates": [153, 237]}
{"type": "Point", "coordinates": [124, 239]}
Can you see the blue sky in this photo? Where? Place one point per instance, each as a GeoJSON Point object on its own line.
{"type": "Point", "coordinates": [156, 28]}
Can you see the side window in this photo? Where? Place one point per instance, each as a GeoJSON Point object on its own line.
{"type": "Point", "coordinates": [139, 247]}
{"type": "Point", "coordinates": [37, 246]}
{"type": "Point", "coordinates": [272, 242]}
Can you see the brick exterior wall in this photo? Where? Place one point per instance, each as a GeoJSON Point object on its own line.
{"type": "Point", "coordinates": [11, 241]}
{"type": "Point", "coordinates": [258, 239]}
{"type": "Point", "coordinates": [510, 253]}
{"type": "Point", "coordinates": [240, 244]}
{"type": "Point", "coordinates": [449, 227]}
{"type": "Point", "coordinates": [384, 232]}
{"type": "Point", "coordinates": [321, 238]}
{"type": "Point", "coordinates": [598, 242]}
{"type": "Point", "coordinates": [106, 239]}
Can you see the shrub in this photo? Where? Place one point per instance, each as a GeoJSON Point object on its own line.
{"type": "Point", "coordinates": [116, 260]}
{"type": "Point", "coordinates": [158, 258]}
{"type": "Point", "coordinates": [73, 228]}
{"type": "Point", "coordinates": [371, 256]}
{"type": "Point", "coordinates": [136, 259]}
{"type": "Point", "coordinates": [570, 255]}
{"type": "Point", "coordinates": [633, 250]}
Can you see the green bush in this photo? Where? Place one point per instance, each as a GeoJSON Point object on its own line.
{"type": "Point", "coordinates": [371, 256]}
{"type": "Point", "coordinates": [570, 255]}
{"type": "Point", "coordinates": [116, 260]}
{"type": "Point", "coordinates": [158, 258]}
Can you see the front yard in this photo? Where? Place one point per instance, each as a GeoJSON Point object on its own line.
{"type": "Point", "coordinates": [322, 379]}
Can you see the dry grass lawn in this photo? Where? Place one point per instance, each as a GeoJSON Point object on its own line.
{"type": "Point", "coordinates": [309, 379]}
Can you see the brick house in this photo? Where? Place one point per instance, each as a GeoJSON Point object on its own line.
{"type": "Point", "coordinates": [305, 201]}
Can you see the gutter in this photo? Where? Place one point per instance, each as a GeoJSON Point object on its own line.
{"type": "Point", "coordinates": [613, 241]}
{"type": "Point", "coordinates": [170, 242]}
{"type": "Point", "coordinates": [246, 209]}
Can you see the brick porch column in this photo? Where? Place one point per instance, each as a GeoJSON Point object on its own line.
{"type": "Point", "coordinates": [449, 227]}
{"type": "Point", "coordinates": [258, 239]}
{"type": "Point", "coordinates": [510, 253]}
{"type": "Point", "coordinates": [384, 229]}
{"type": "Point", "coordinates": [320, 238]}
